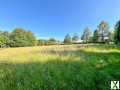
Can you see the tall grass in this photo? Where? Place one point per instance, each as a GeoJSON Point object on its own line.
{"type": "Point", "coordinates": [70, 67]}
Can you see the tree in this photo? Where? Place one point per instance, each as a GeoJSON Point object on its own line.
{"type": "Point", "coordinates": [67, 39]}
{"type": "Point", "coordinates": [117, 33]}
{"type": "Point", "coordinates": [20, 38]}
{"type": "Point", "coordinates": [95, 36]}
{"type": "Point", "coordinates": [52, 41]}
{"type": "Point", "coordinates": [31, 38]}
{"type": "Point", "coordinates": [75, 37]}
{"type": "Point", "coordinates": [86, 37]}
{"type": "Point", "coordinates": [103, 31]}
{"type": "Point", "coordinates": [41, 42]}
{"type": "Point", "coordinates": [4, 39]}
{"type": "Point", "coordinates": [111, 36]}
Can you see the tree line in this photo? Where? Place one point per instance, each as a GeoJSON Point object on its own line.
{"type": "Point", "coordinates": [17, 38]}
{"type": "Point", "coordinates": [20, 37]}
{"type": "Point", "coordinates": [102, 34]}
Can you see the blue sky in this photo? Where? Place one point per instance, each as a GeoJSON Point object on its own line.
{"type": "Point", "coordinates": [56, 18]}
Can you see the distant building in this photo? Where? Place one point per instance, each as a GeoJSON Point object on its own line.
{"type": "Point", "coordinates": [77, 42]}
{"type": "Point", "coordinates": [104, 38]}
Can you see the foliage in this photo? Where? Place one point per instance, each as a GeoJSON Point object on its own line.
{"type": "Point", "coordinates": [117, 33]}
{"type": "Point", "coordinates": [21, 38]}
{"type": "Point", "coordinates": [42, 42]}
{"type": "Point", "coordinates": [4, 39]}
{"type": "Point", "coordinates": [111, 36]}
{"type": "Point", "coordinates": [75, 37]}
{"type": "Point", "coordinates": [95, 36]}
{"type": "Point", "coordinates": [67, 39]}
{"type": "Point", "coordinates": [86, 37]}
{"type": "Point", "coordinates": [103, 31]}
{"type": "Point", "coordinates": [51, 41]}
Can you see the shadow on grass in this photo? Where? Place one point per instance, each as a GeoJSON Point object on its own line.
{"type": "Point", "coordinates": [62, 75]}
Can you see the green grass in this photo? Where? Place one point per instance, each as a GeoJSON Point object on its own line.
{"type": "Point", "coordinates": [69, 67]}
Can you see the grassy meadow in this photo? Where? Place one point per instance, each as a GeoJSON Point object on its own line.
{"type": "Point", "coordinates": [59, 67]}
